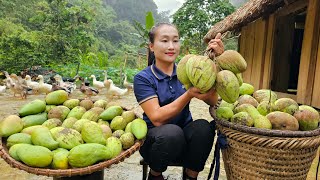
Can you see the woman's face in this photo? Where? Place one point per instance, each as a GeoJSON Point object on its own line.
{"type": "Point", "coordinates": [166, 45]}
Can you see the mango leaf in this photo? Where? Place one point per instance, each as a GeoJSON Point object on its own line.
{"type": "Point", "coordinates": [149, 21]}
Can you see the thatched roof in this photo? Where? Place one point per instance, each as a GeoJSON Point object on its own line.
{"type": "Point", "coordinates": [247, 13]}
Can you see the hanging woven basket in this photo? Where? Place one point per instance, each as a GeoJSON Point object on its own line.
{"type": "Point", "coordinates": [254, 153]}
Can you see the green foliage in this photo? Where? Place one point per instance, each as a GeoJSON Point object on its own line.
{"type": "Point", "coordinates": [195, 18]}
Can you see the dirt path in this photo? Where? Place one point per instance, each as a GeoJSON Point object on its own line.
{"type": "Point", "coordinates": [128, 169]}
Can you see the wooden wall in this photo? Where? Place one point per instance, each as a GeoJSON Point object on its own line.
{"type": "Point", "coordinates": [253, 43]}
{"type": "Point", "coordinates": [307, 94]}
{"type": "Point", "coordinates": [256, 46]}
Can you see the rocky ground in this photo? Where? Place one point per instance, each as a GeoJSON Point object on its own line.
{"type": "Point", "coordinates": [129, 168]}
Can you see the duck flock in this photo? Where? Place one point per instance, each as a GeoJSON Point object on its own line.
{"type": "Point", "coordinates": [22, 87]}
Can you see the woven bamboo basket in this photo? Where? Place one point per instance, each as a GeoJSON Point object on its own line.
{"type": "Point", "coordinates": [4, 153]}
{"type": "Point", "coordinates": [254, 153]}
{"type": "Point", "coordinates": [67, 172]}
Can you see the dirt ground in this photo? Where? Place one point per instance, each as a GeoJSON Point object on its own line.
{"type": "Point", "coordinates": [129, 168]}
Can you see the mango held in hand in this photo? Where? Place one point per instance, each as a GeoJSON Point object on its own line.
{"type": "Point", "coordinates": [10, 125]}
{"type": "Point", "coordinates": [227, 86]}
{"type": "Point", "coordinates": [182, 72]}
{"type": "Point", "coordinates": [34, 107]}
{"type": "Point", "coordinates": [139, 128]}
{"type": "Point", "coordinates": [233, 61]}
{"type": "Point", "coordinates": [202, 72]}
{"type": "Point", "coordinates": [56, 97]}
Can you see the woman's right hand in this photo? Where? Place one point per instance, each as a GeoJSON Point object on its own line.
{"type": "Point", "coordinates": [210, 97]}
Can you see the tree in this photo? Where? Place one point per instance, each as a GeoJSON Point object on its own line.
{"type": "Point", "coordinates": [195, 18]}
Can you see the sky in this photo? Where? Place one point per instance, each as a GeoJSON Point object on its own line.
{"type": "Point", "coordinates": [169, 5]}
{"type": "Point", "coordinates": [173, 5]}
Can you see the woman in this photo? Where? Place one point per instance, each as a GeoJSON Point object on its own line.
{"type": "Point", "coordinates": [172, 134]}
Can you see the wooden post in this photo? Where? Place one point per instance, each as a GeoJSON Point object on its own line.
{"type": "Point", "coordinates": [309, 53]}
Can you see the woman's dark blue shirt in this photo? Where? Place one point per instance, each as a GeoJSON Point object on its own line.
{"type": "Point", "coordinates": [153, 83]}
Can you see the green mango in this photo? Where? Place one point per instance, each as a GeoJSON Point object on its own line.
{"type": "Point", "coordinates": [92, 133]}
{"type": "Point", "coordinates": [60, 159]}
{"type": "Point", "coordinates": [111, 112]}
{"type": "Point", "coordinates": [33, 107]}
{"type": "Point", "coordinates": [35, 156]}
{"type": "Point", "coordinates": [43, 137]}
{"type": "Point", "coordinates": [92, 114]}
{"type": "Point", "coordinates": [77, 112]}
{"type": "Point", "coordinates": [59, 112]}
{"type": "Point", "coordinates": [118, 123]}
{"type": "Point", "coordinates": [128, 127]}
{"type": "Point", "coordinates": [49, 107]}
{"type": "Point", "coordinates": [56, 97]}
{"type": "Point", "coordinates": [100, 103]}
{"type": "Point", "coordinates": [33, 120]}
{"type": "Point", "coordinates": [87, 154]}
{"type": "Point", "coordinates": [51, 123]}
{"type": "Point", "coordinates": [29, 130]}
{"type": "Point", "coordinates": [69, 122]}
{"type": "Point", "coordinates": [79, 124]}
{"type": "Point", "coordinates": [68, 138]}
{"type": "Point", "coordinates": [128, 116]}
{"type": "Point", "coordinates": [18, 138]}
{"type": "Point", "coordinates": [13, 150]}
{"type": "Point", "coordinates": [114, 147]}
{"type": "Point", "coordinates": [127, 140]}
{"type": "Point", "coordinates": [10, 125]}
{"type": "Point", "coordinates": [71, 103]}
{"type": "Point", "coordinates": [139, 128]}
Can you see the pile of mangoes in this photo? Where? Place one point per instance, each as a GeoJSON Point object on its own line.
{"type": "Point", "coordinates": [262, 109]}
{"type": "Point", "coordinates": [62, 133]}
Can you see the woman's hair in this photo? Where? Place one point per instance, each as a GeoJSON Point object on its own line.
{"type": "Point", "coordinates": [151, 34]}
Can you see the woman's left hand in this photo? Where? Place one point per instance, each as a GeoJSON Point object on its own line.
{"type": "Point", "coordinates": [216, 45]}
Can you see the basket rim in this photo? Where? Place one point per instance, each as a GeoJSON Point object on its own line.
{"type": "Point", "coordinates": [71, 171]}
{"type": "Point", "coordinates": [264, 132]}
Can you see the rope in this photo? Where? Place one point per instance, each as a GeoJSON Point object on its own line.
{"type": "Point", "coordinates": [317, 177]}
{"type": "Point", "coordinates": [220, 144]}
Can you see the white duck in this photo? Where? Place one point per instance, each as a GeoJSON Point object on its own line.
{"type": "Point", "coordinates": [32, 84]}
{"type": "Point", "coordinates": [44, 87]}
{"type": "Point", "coordinates": [113, 90]}
{"type": "Point", "coordinates": [97, 84]}
{"type": "Point", "coordinates": [2, 89]}
{"type": "Point", "coordinates": [126, 83]}
{"type": "Point", "coordinates": [106, 83]}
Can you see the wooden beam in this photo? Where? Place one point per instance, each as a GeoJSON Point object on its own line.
{"type": "Point", "coordinates": [309, 53]}
{"type": "Point", "coordinates": [258, 54]}
{"type": "Point", "coordinates": [267, 76]}
{"type": "Point", "coordinates": [293, 7]}
{"type": "Point", "coordinates": [316, 93]}
{"type": "Point", "coordinates": [249, 51]}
